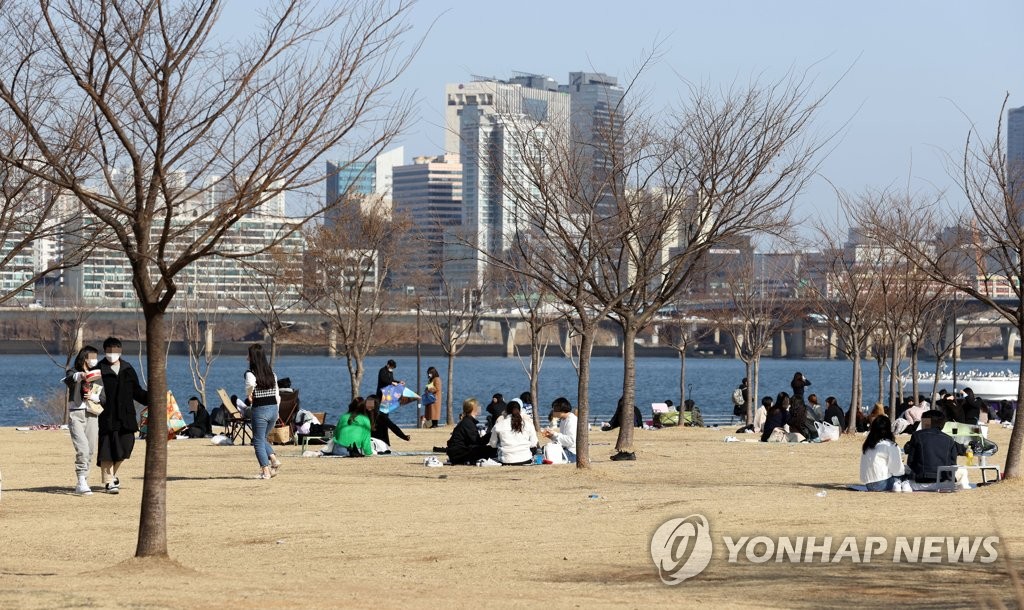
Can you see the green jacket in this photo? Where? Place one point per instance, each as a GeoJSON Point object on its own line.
{"type": "Point", "coordinates": [356, 433]}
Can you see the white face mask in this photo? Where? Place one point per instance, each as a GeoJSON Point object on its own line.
{"type": "Point", "coordinates": [91, 362]}
{"type": "Point", "coordinates": [112, 358]}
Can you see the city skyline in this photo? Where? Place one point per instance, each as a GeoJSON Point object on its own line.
{"type": "Point", "coordinates": [911, 76]}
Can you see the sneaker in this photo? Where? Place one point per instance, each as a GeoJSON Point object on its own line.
{"type": "Point", "coordinates": [432, 462]}
{"type": "Point", "coordinates": [83, 488]}
{"type": "Point", "coordinates": [906, 487]}
{"type": "Point", "coordinates": [624, 456]}
{"type": "Point", "coordinates": [897, 487]}
{"type": "Point", "coordinates": [263, 476]}
{"type": "Point", "coordinates": [488, 462]}
{"type": "Point", "coordinates": [113, 488]}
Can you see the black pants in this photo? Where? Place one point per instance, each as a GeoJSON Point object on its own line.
{"type": "Point", "coordinates": [480, 452]}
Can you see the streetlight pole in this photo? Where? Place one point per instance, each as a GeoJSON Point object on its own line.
{"type": "Point", "coordinates": [419, 385]}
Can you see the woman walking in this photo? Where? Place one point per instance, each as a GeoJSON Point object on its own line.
{"type": "Point", "coordinates": [432, 399]}
{"type": "Point", "coordinates": [117, 424]}
{"type": "Point", "coordinates": [82, 424]}
{"type": "Point", "coordinates": [263, 395]}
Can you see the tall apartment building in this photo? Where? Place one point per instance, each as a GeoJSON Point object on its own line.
{"type": "Point", "coordinates": [428, 193]}
{"type": "Point", "coordinates": [369, 182]}
{"type": "Point", "coordinates": [596, 129]}
{"type": "Point", "coordinates": [1015, 134]}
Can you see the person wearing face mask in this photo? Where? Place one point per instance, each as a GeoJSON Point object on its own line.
{"type": "Point", "coordinates": [117, 424]}
{"type": "Point", "coordinates": [81, 423]}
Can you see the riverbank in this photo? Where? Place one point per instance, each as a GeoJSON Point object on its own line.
{"type": "Point", "coordinates": [388, 532]}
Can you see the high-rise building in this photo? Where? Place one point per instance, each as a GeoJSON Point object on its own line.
{"type": "Point", "coordinates": [1015, 134]}
{"type": "Point", "coordinates": [428, 194]}
{"type": "Point", "coordinates": [596, 130]}
{"type": "Point", "coordinates": [368, 182]}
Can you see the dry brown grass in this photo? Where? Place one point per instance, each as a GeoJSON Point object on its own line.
{"type": "Point", "coordinates": [387, 532]}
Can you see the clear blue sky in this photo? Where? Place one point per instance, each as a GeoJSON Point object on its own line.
{"type": "Point", "coordinates": [919, 71]}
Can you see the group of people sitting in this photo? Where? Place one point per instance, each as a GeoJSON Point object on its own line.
{"type": "Point", "coordinates": [509, 437]}
{"type": "Point", "coordinates": [664, 415]}
{"type": "Point", "coordinates": [363, 430]}
{"type": "Point", "coordinates": [927, 451]}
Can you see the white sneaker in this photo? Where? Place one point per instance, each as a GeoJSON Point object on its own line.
{"type": "Point", "coordinates": [897, 487]}
{"type": "Point", "coordinates": [432, 462]}
{"type": "Point", "coordinates": [488, 462]}
{"type": "Point", "coordinates": [83, 488]}
{"type": "Point", "coordinates": [907, 488]}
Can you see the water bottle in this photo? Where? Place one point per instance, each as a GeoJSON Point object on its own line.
{"type": "Point", "coordinates": [538, 459]}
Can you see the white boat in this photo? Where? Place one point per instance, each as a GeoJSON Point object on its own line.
{"type": "Point", "coordinates": [990, 386]}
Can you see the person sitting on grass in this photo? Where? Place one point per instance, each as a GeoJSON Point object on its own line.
{"type": "Point", "coordinates": [513, 436]}
{"type": "Point", "coordinates": [352, 436]}
{"type": "Point", "coordinates": [691, 414]}
{"type": "Point", "coordinates": [776, 419]}
{"type": "Point", "coordinates": [201, 426]}
{"type": "Point", "coordinates": [616, 420]}
{"type": "Point", "coordinates": [465, 445]}
{"type": "Point", "coordinates": [930, 448]}
{"type": "Point", "coordinates": [881, 461]}
{"type": "Point", "coordinates": [565, 436]}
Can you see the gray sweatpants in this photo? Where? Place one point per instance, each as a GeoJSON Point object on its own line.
{"type": "Point", "coordinates": [84, 431]}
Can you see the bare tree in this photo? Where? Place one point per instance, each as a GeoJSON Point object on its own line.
{"type": "Point", "coordinates": [452, 317]}
{"type": "Point", "coordinates": [681, 336]}
{"type": "Point", "coordinates": [168, 136]}
{"type": "Point", "coordinates": [278, 280]}
{"type": "Point", "coordinates": [199, 321]}
{"type": "Point", "coordinates": [756, 318]}
{"type": "Point", "coordinates": [349, 263]}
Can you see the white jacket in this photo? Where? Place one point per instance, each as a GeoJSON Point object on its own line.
{"type": "Point", "coordinates": [880, 463]}
{"type": "Point", "coordinates": [566, 435]}
{"type": "Point", "coordinates": [514, 446]}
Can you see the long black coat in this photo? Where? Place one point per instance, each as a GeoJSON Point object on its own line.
{"type": "Point", "coordinates": [122, 390]}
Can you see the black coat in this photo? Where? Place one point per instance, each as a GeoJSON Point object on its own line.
{"type": "Point", "coordinates": [928, 449]}
{"type": "Point", "coordinates": [201, 425]}
{"type": "Point", "coordinates": [616, 420]}
{"type": "Point", "coordinates": [385, 377]}
{"type": "Point", "coordinates": [122, 391]}
{"type": "Point", "coordinates": [836, 412]}
{"type": "Point", "coordinates": [798, 386]}
{"type": "Point", "coordinates": [464, 439]}
{"type": "Point", "coordinates": [381, 423]}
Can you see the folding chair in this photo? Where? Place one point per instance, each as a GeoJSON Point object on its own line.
{"type": "Point", "coordinates": [289, 406]}
{"type": "Point", "coordinates": [238, 426]}
{"type": "Point", "coordinates": [318, 439]}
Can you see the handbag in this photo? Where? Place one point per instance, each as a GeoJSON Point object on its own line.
{"type": "Point", "coordinates": [428, 398]}
{"type": "Point", "coordinates": [92, 407]}
{"type": "Point", "coordinates": [279, 435]}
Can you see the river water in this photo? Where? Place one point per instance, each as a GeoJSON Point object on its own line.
{"type": "Point", "coordinates": [324, 386]}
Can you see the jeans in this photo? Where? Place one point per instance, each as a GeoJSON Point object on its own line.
{"type": "Point", "coordinates": [883, 485]}
{"type": "Point", "coordinates": [263, 419]}
{"type": "Point", "coordinates": [84, 430]}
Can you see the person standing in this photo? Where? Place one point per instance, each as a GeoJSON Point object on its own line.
{"type": "Point", "coordinates": [82, 424]}
{"type": "Point", "coordinates": [385, 377]}
{"type": "Point", "coordinates": [432, 399]}
{"type": "Point", "coordinates": [264, 397]}
{"type": "Point", "coordinates": [117, 424]}
{"type": "Point", "coordinates": [798, 384]}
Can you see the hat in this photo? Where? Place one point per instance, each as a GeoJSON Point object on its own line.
{"type": "Point", "coordinates": [515, 402]}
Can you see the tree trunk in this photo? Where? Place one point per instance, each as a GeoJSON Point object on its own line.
{"type": "Point", "coordinates": [273, 349]}
{"type": "Point", "coordinates": [682, 377]}
{"type": "Point", "coordinates": [894, 373]}
{"type": "Point", "coordinates": [355, 372]}
{"type": "Point", "coordinates": [448, 412]}
{"type": "Point", "coordinates": [914, 349]}
{"type": "Point", "coordinates": [1012, 468]}
{"type": "Point", "coordinates": [880, 362]}
{"type": "Point", "coordinates": [855, 390]}
{"type": "Point", "coordinates": [153, 515]}
{"type": "Point", "coordinates": [753, 371]}
{"type": "Point", "coordinates": [535, 375]}
{"type": "Point", "coordinates": [583, 398]}
{"type": "Point", "coordinates": [625, 439]}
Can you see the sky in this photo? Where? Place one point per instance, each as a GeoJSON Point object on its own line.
{"type": "Point", "coordinates": [911, 77]}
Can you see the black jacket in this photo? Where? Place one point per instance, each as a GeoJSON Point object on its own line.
{"type": "Point", "coordinates": [122, 391]}
{"type": "Point", "coordinates": [616, 420]}
{"type": "Point", "coordinates": [463, 439]}
{"type": "Point", "coordinates": [385, 377]}
{"type": "Point", "coordinates": [201, 425]}
{"type": "Point", "coordinates": [928, 449]}
{"type": "Point", "coordinates": [972, 409]}
{"type": "Point", "coordinates": [381, 423]}
{"type": "Point", "coordinates": [798, 387]}
{"type": "Point", "coordinates": [835, 411]}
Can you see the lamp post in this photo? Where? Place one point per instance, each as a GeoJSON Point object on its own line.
{"type": "Point", "coordinates": [419, 385]}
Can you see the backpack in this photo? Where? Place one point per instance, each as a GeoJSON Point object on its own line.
{"type": "Point", "coordinates": [737, 397]}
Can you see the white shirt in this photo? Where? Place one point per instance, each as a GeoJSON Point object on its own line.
{"type": "Point", "coordinates": [250, 385]}
{"type": "Point", "coordinates": [760, 415]}
{"type": "Point", "coordinates": [566, 435]}
{"type": "Point", "coordinates": [515, 446]}
{"type": "Point", "coordinates": [880, 463]}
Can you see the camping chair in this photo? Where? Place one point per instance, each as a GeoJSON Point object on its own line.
{"type": "Point", "coordinates": [238, 426]}
{"type": "Point", "coordinates": [316, 439]}
{"type": "Point", "coordinates": [289, 406]}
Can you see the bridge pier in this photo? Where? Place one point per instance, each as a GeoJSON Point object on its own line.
{"type": "Point", "coordinates": [833, 345]}
{"type": "Point", "coordinates": [796, 341]}
{"type": "Point", "coordinates": [206, 329]}
{"type": "Point", "coordinates": [953, 338]}
{"type": "Point", "coordinates": [735, 346]}
{"type": "Point", "coordinates": [508, 337]}
{"type": "Point", "coordinates": [779, 344]}
{"type": "Point", "coordinates": [565, 338]}
{"type": "Point", "coordinates": [1010, 337]}
{"type": "Point", "coordinates": [77, 340]}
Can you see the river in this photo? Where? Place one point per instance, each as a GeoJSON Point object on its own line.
{"type": "Point", "coordinates": [323, 382]}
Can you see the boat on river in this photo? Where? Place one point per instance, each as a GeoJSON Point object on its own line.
{"type": "Point", "coordinates": [991, 386]}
